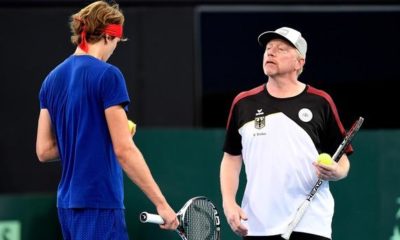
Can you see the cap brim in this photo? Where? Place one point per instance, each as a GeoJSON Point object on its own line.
{"type": "Point", "coordinates": [265, 37]}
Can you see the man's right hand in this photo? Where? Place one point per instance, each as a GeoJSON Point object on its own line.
{"type": "Point", "coordinates": [169, 216]}
{"type": "Point", "coordinates": [234, 215]}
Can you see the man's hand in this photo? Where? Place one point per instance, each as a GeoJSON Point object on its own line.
{"type": "Point", "coordinates": [335, 171]}
{"type": "Point", "coordinates": [169, 216]}
{"type": "Point", "coordinates": [327, 172]}
{"type": "Point", "coordinates": [234, 214]}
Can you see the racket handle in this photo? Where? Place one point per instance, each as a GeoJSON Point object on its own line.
{"type": "Point", "coordinates": [146, 217]}
{"type": "Point", "coordinates": [299, 214]}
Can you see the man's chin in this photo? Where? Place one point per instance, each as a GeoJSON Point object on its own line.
{"type": "Point", "coordinates": [270, 73]}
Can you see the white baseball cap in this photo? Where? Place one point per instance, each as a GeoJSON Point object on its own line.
{"type": "Point", "coordinates": [291, 35]}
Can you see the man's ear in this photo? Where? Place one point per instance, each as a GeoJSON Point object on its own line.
{"type": "Point", "coordinates": [301, 61]}
{"type": "Point", "coordinates": [107, 38]}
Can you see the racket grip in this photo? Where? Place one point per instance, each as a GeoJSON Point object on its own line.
{"type": "Point", "coordinates": [287, 234]}
{"type": "Point", "coordinates": [299, 214]}
{"type": "Point", "coordinates": [146, 217]}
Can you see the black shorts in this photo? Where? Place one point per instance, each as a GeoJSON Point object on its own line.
{"type": "Point", "coordinates": [294, 236]}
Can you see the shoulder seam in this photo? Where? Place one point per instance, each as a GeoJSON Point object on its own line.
{"type": "Point", "coordinates": [242, 95]}
{"type": "Point", "coordinates": [332, 105]}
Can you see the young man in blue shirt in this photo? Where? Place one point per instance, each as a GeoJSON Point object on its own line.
{"type": "Point", "coordinates": [83, 123]}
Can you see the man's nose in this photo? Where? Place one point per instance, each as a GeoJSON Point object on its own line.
{"type": "Point", "coordinates": [271, 51]}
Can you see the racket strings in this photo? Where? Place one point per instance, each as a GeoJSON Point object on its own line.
{"type": "Point", "coordinates": [200, 222]}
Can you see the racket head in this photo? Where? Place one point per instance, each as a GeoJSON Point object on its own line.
{"type": "Point", "coordinates": [199, 220]}
{"type": "Point", "coordinates": [354, 128]}
{"type": "Point", "coordinates": [348, 138]}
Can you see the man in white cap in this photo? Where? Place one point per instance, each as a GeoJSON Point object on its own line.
{"type": "Point", "coordinates": [278, 129]}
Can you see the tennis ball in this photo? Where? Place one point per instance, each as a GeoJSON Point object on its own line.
{"type": "Point", "coordinates": [132, 127]}
{"type": "Point", "coordinates": [325, 159]}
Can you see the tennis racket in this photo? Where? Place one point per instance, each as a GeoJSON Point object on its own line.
{"type": "Point", "coordinates": [198, 220]}
{"type": "Point", "coordinates": [338, 154]}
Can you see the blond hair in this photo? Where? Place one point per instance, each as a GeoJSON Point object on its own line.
{"type": "Point", "coordinates": [93, 19]}
{"type": "Point", "coordinates": [299, 57]}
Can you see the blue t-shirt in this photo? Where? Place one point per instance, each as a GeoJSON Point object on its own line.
{"type": "Point", "coordinates": [76, 94]}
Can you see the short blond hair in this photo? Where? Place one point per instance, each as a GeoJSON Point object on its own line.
{"type": "Point", "coordinates": [93, 19]}
{"type": "Point", "coordinates": [300, 56]}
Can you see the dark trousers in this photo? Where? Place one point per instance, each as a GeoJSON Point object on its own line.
{"type": "Point", "coordinates": [294, 236]}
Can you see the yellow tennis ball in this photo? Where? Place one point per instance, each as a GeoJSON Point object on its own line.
{"type": "Point", "coordinates": [132, 127]}
{"type": "Point", "coordinates": [325, 159]}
